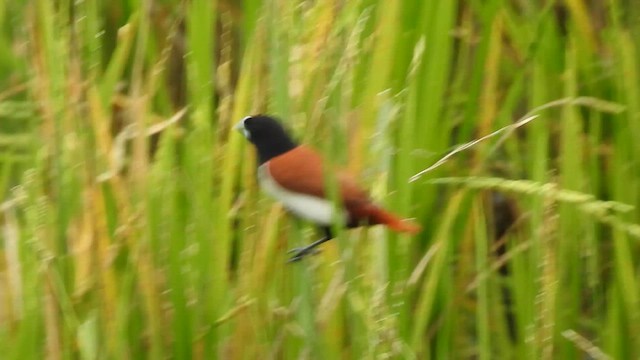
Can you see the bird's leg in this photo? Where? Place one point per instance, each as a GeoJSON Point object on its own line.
{"type": "Point", "coordinates": [299, 253]}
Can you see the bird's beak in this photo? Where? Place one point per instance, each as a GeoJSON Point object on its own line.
{"type": "Point", "coordinates": [239, 126]}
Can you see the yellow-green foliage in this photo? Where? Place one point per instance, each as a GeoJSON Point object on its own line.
{"type": "Point", "coordinates": [132, 227]}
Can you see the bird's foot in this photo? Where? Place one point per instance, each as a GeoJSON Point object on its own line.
{"type": "Point", "coordinates": [300, 252]}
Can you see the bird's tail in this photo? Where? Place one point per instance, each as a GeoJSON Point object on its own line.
{"type": "Point", "coordinates": [378, 215]}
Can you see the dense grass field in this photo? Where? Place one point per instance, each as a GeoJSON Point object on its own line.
{"type": "Point", "coordinates": [132, 226]}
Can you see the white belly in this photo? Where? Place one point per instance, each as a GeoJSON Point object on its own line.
{"type": "Point", "coordinates": [312, 208]}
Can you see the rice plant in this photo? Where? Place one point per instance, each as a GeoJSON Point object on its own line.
{"type": "Point", "coordinates": [132, 224]}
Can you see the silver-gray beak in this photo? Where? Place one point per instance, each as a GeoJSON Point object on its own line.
{"type": "Point", "coordinates": [240, 127]}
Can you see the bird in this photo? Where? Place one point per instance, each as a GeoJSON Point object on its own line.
{"type": "Point", "coordinates": [294, 174]}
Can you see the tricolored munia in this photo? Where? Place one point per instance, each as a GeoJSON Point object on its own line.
{"type": "Point", "coordinates": [293, 174]}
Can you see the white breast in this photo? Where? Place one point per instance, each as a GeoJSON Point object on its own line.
{"type": "Point", "coordinates": [312, 208]}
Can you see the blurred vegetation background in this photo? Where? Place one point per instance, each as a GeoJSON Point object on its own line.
{"type": "Point", "coordinates": [132, 227]}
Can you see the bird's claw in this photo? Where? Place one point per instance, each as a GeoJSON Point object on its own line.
{"type": "Point", "coordinates": [301, 252]}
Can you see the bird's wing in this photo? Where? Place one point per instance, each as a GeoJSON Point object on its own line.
{"type": "Point", "coordinates": [301, 170]}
